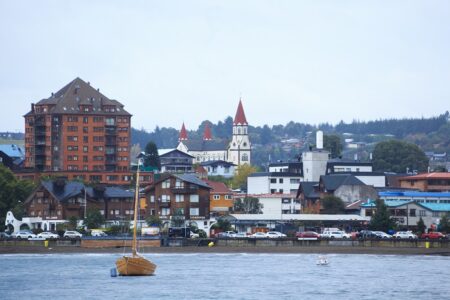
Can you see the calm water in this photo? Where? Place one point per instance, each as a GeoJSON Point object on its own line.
{"type": "Point", "coordinates": [227, 276]}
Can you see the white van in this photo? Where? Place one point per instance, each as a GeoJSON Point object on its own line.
{"type": "Point", "coordinates": [96, 232]}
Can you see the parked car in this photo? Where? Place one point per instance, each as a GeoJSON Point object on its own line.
{"type": "Point", "coordinates": [4, 236]}
{"type": "Point", "coordinates": [382, 235]}
{"type": "Point", "coordinates": [367, 234]}
{"type": "Point", "coordinates": [433, 236]}
{"type": "Point", "coordinates": [72, 235]}
{"type": "Point", "coordinates": [226, 234]}
{"type": "Point", "coordinates": [338, 234]}
{"type": "Point", "coordinates": [98, 233]}
{"type": "Point", "coordinates": [307, 235]}
{"type": "Point", "coordinates": [23, 234]}
{"type": "Point", "coordinates": [46, 235]}
{"type": "Point", "coordinates": [404, 235]}
{"type": "Point", "coordinates": [258, 235]}
{"type": "Point", "coordinates": [241, 235]}
{"type": "Point", "coordinates": [275, 234]}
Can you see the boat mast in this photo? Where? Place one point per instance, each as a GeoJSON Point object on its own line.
{"type": "Point", "coordinates": [136, 199]}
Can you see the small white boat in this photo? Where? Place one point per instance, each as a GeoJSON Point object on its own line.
{"type": "Point", "coordinates": [322, 261]}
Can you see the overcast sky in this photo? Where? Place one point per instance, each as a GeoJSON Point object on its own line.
{"type": "Point", "coordinates": [175, 61]}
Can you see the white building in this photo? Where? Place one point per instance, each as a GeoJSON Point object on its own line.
{"type": "Point", "coordinates": [278, 204]}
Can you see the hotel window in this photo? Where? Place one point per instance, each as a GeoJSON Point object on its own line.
{"type": "Point", "coordinates": [217, 197]}
{"type": "Point", "coordinates": [165, 184]}
{"type": "Point", "coordinates": [179, 198]}
{"type": "Point", "coordinates": [152, 198]}
{"type": "Point", "coordinates": [110, 121]}
{"type": "Point", "coordinates": [193, 198]}
{"type": "Point", "coordinates": [85, 120]}
{"type": "Point", "coordinates": [194, 211]}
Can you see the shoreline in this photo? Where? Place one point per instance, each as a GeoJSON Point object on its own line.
{"type": "Point", "coordinates": [229, 249]}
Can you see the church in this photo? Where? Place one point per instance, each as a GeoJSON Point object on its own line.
{"type": "Point", "coordinates": [237, 151]}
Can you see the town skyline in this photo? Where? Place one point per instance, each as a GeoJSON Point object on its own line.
{"type": "Point", "coordinates": [308, 63]}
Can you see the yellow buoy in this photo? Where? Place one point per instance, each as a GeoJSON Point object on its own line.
{"type": "Point", "coordinates": [46, 244]}
{"type": "Point", "coordinates": [211, 244]}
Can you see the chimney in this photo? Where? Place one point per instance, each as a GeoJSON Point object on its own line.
{"type": "Point", "coordinates": [32, 107]}
{"type": "Point", "coordinates": [319, 139]}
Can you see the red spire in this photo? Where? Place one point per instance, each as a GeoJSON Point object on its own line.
{"type": "Point", "coordinates": [240, 119]}
{"type": "Point", "coordinates": [183, 134]}
{"type": "Point", "coordinates": [207, 136]}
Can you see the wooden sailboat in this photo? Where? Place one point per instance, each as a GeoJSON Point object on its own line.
{"type": "Point", "coordinates": [135, 264]}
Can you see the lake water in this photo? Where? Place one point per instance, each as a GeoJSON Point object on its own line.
{"type": "Point", "coordinates": [227, 276]}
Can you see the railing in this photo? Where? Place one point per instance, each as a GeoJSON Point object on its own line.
{"type": "Point", "coordinates": [184, 190]}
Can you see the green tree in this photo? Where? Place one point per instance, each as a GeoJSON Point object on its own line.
{"type": "Point", "coordinates": [248, 205]}
{"type": "Point", "coordinates": [94, 219]}
{"type": "Point", "coordinates": [381, 219]}
{"type": "Point", "coordinates": [398, 156]}
{"type": "Point", "coordinates": [444, 223]}
{"type": "Point", "coordinates": [332, 205]}
{"type": "Point", "coordinates": [242, 173]}
{"type": "Point", "coordinates": [153, 221]}
{"type": "Point", "coordinates": [223, 225]}
{"type": "Point", "coordinates": [13, 193]}
{"type": "Point", "coordinates": [421, 226]}
{"type": "Point", "coordinates": [73, 221]}
{"type": "Point", "coordinates": [152, 156]}
{"type": "Point", "coordinates": [177, 218]}
{"type": "Point", "coordinates": [333, 144]}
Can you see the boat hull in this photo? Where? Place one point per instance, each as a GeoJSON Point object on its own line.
{"type": "Point", "coordinates": [135, 266]}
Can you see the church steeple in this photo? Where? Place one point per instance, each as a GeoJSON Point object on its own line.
{"type": "Point", "coordinates": [183, 134]}
{"type": "Point", "coordinates": [240, 119]}
{"type": "Point", "coordinates": [207, 136]}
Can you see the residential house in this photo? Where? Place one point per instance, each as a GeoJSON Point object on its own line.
{"type": "Point", "coordinates": [219, 168]}
{"type": "Point", "coordinates": [220, 199]}
{"type": "Point", "coordinates": [175, 161]}
{"type": "Point", "coordinates": [427, 182]}
{"type": "Point", "coordinates": [12, 156]}
{"type": "Point", "coordinates": [184, 195]}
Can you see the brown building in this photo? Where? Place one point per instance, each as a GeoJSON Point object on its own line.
{"type": "Point", "coordinates": [221, 198]}
{"type": "Point", "coordinates": [60, 200]}
{"type": "Point", "coordinates": [184, 194]}
{"type": "Point", "coordinates": [79, 130]}
{"type": "Point", "coordinates": [427, 182]}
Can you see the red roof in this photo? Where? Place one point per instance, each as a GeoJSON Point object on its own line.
{"type": "Point", "coordinates": [218, 187]}
{"type": "Point", "coordinates": [434, 175]}
{"type": "Point", "coordinates": [240, 119]}
{"type": "Point", "coordinates": [207, 136]}
{"type": "Point", "coordinates": [183, 134]}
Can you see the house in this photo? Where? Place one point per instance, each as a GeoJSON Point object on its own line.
{"type": "Point", "coordinates": [219, 168]}
{"type": "Point", "coordinates": [221, 198]}
{"type": "Point", "coordinates": [347, 187]}
{"type": "Point", "coordinates": [184, 195]}
{"type": "Point", "coordinates": [56, 201]}
{"type": "Point", "coordinates": [427, 182]}
{"type": "Point", "coordinates": [277, 204]}
{"type": "Point", "coordinates": [309, 195]}
{"type": "Point", "coordinates": [273, 182]}
{"type": "Point", "coordinates": [361, 170]}
{"type": "Point", "coordinates": [175, 161]}
{"type": "Point", "coordinates": [237, 151]}
{"type": "Point", "coordinates": [408, 212]}
{"type": "Point", "coordinates": [12, 156]}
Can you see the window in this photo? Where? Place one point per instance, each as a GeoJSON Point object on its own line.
{"type": "Point", "coordinates": [194, 211]}
{"type": "Point", "coordinates": [245, 157]}
{"type": "Point", "coordinates": [280, 180]}
{"type": "Point", "coordinates": [152, 198]}
{"type": "Point", "coordinates": [179, 183]}
{"type": "Point", "coordinates": [228, 197]}
{"type": "Point", "coordinates": [281, 191]}
{"type": "Point", "coordinates": [98, 119]}
{"type": "Point", "coordinates": [179, 198]}
{"type": "Point", "coordinates": [165, 211]}
{"type": "Point", "coordinates": [273, 191]}
{"type": "Point", "coordinates": [165, 198]}
{"type": "Point", "coordinates": [273, 180]}
{"type": "Point", "coordinates": [72, 138]}
{"type": "Point", "coordinates": [193, 198]}
{"type": "Point", "coordinates": [166, 184]}
{"type": "Point", "coordinates": [85, 130]}
{"type": "Point", "coordinates": [412, 212]}
{"type": "Point", "coordinates": [216, 197]}
{"type": "Point", "coordinates": [435, 214]}
{"type": "Point", "coordinates": [85, 149]}
{"type": "Point", "coordinates": [72, 128]}
{"type": "Point", "coordinates": [110, 121]}
{"type": "Point", "coordinates": [294, 180]}
{"type": "Point", "coordinates": [422, 213]}
{"type": "Point", "coordinates": [85, 120]}
{"type": "Point", "coordinates": [286, 200]}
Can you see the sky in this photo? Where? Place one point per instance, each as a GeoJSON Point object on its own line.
{"type": "Point", "coordinates": [186, 61]}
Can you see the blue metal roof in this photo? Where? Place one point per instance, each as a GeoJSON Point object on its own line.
{"type": "Point", "coordinates": [396, 203]}
{"type": "Point", "coordinates": [437, 206]}
{"type": "Point", "coordinates": [12, 150]}
{"type": "Point", "coordinates": [414, 194]}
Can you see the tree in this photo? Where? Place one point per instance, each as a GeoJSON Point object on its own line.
{"type": "Point", "coordinates": [177, 218]}
{"type": "Point", "coordinates": [381, 219]}
{"type": "Point", "coordinates": [73, 221]}
{"type": "Point", "coordinates": [222, 224]}
{"type": "Point", "coordinates": [153, 221]}
{"type": "Point", "coordinates": [248, 205]}
{"type": "Point", "coordinates": [332, 205]}
{"type": "Point", "coordinates": [13, 193]}
{"type": "Point", "coordinates": [242, 173]}
{"type": "Point", "coordinates": [444, 223]}
{"type": "Point", "coordinates": [152, 156]}
{"type": "Point", "coordinates": [421, 226]}
{"type": "Point", "coordinates": [94, 219]}
{"type": "Point", "coordinates": [333, 144]}
{"type": "Point", "coordinates": [398, 156]}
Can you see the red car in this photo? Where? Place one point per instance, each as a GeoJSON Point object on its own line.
{"type": "Point", "coordinates": [307, 235]}
{"type": "Point", "coordinates": [433, 236]}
